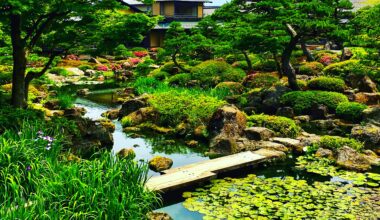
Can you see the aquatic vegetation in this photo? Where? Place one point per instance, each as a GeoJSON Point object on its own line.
{"type": "Point", "coordinates": [325, 167]}
{"type": "Point", "coordinates": [275, 198]}
{"type": "Point", "coordinates": [336, 142]}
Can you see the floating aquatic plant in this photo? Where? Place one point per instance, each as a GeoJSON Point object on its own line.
{"type": "Point", "coordinates": [275, 198]}
{"type": "Point", "coordinates": [324, 167]}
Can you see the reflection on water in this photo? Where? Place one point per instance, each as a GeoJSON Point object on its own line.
{"type": "Point", "coordinates": [146, 147]}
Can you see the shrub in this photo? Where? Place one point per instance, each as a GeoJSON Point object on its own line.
{"type": "Point", "coordinates": [344, 68]}
{"type": "Point", "coordinates": [336, 142]}
{"type": "Point", "coordinates": [144, 68]}
{"type": "Point", "coordinates": [140, 54]}
{"type": "Point", "coordinates": [65, 100]}
{"type": "Point", "coordinates": [260, 80]}
{"type": "Point", "coordinates": [350, 111]}
{"type": "Point", "coordinates": [232, 58]}
{"type": "Point", "coordinates": [303, 101]}
{"type": "Point", "coordinates": [13, 118]}
{"type": "Point", "coordinates": [175, 107]}
{"type": "Point", "coordinates": [282, 126]}
{"type": "Point", "coordinates": [5, 77]}
{"type": "Point", "coordinates": [326, 57]}
{"type": "Point", "coordinates": [311, 68]}
{"type": "Point", "coordinates": [158, 74]}
{"type": "Point", "coordinates": [233, 88]}
{"type": "Point", "coordinates": [71, 63]}
{"type": "Point", "coordinates": [72, 57]}
{"type": "Point", "coordinates": [180, 79]}
{"type": "Point", "coordinates": [327, 84]}
{"type": "Point", "coordinates": [265, 65]}
{"type": "Point", "coordinates": [134, 61]}
{"type": "Point", "coordinates": [101, 68]}
{"type": "Point", "coordinates": [148, 85]}
{"type": "Point", "coordinates": [122, 52]}
{"type": "Point", "coordinates": [212, 72]}
{"type": "Point", "coordinates": [171, 68]}
{"type": "Point", "coordinates": [59, 71]}
{"type": "Point", "coordinates": [84, 67]}
{"type": "Point", "coordinates": [103, 60]}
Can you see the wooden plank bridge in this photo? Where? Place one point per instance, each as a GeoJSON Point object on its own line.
{"type": "Point", "coordinates": [179, 177]}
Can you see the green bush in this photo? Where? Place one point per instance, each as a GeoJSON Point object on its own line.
{"type": "Point", "coordinates": [303, 101]}
{"type": "Point", "coordinates": [144, 68]}
{"type": "Point", "coordinates": [265, 65]}
{"type": "Point", "coordinates": [282, 126]}
{"type": "Point", "coordinates": [327, 84]}
{"type": "Point", "coordinates": [261, 80]}
{"type": "Point", "coordinates": [311, 68]}
{"type": "Point", "coordinates": [5, 77]}
{"type": "Point", "coordinates": [234, 88]}
{"type": "Point", "coordinates": [85, 67]}
{"type": "Point", "coordinates": [13, 118]}
{"type": "Point", "coordinates": [343, 69]}
{"type": "Point", "coordinates": [179, 80]}
{"type": "Point", "coordinates": [175, 107]}
{"type": "Point", "coordinates": [336, 142]}
{"type": "Point", "coordinates": [350, 111]}
{"type": "Point", "coordinates": [6, 60]}
{"type": "Point", "coordinates": [149, 85]}
{"type": "Point", "coordinates": [103, 60]}
{"type": "Point", "coordinates": [59, 71]}
{"type": "Point", "coordinates": [65, 100]}
{"type": "Point", "coordinates": [122, 52]}
{"type": "Point", "coordinates": [212, 72]}
{"type": "Point", "coordinates": [158, 74]}
{"type": "Point", "coordinates": [172, 69]}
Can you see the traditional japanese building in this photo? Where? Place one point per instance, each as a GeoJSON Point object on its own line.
{"type": "Point", "coordinates": [187, 12]}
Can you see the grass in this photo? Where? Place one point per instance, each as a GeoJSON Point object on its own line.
{"type": "Point", "coordinates": [38, 182]}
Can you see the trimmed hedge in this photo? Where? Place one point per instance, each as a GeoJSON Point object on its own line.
{"type": "Point", "coordinates": [311, 68]}
{"type": "Point", "coordinates": [212, 72]}
{"type": "Point", "coordinates": [336, 142]}
{"type": "Point", "coordinates": [282, 126]}
{"type": "Point", "coordinates": [350, 111]}
{"type": "Point", "coordinates": [327, 84]}
{"type": "Point", "coordinates": [303, 101]}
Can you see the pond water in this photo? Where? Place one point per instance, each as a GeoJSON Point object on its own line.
{"type": "Point", "coordinates": [147, 147]}
{"type": "Point", "coordinates": [144, 147]}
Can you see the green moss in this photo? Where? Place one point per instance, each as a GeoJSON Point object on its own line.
{"type": "Point", "coordinates": [59, 71]}
{"type": "Point", "coordinates": [282, 126]}
{"type": "Point", "coordinates": [212, 72]}
{"type": "Point", "coordinates": [345, 68]}
{"type": "Point", "coordinates": [261, 80]}
{"type": "Point", "coordinates": [336, 142]}
{"type": "Point", "coordinates": [233, 88]}
{"type": "Point", "coordinates": [175, 107]}
{"type": "Point", "coordinates": [351, 111]}
{"type": "Point", "coordinates": [179, 80]}
{"type": "Point", "coordinates": [85, 67]}
{"type": "Point", "coordinates": [327, 84]}
{"type": "Point", "coordinates": [311, 68]}
{"type": "Point", "coordinates": [303, 101]}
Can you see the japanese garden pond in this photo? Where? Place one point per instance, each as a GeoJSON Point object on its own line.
{"type": "Point", "coordinates": [269, 186]}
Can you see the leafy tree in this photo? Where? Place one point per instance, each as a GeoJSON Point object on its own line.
{"type": "Point", "coordinates": [53, 24]}
{"type": "Point", "coordinates": [301, 20]}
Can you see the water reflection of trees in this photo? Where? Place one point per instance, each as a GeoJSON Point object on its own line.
{"type": "Point", "coordinates": [161, 144]}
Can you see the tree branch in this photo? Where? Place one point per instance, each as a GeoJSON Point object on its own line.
{"type": "Point", "coordinates": [291, 30]}
{"type": "Point", "coordinates": [33, 75]}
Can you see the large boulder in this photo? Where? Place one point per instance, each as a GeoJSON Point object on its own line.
{"type": "Point", "coordinates": [92, 130]}
{"type": "Point", "coordinates": [126, 153]}
{"type": "Point", "coordinates": [226, 125]}
{"type": "Point", "coordinates": [76, 112]}
{"type": "Point", "coordinates": [158, 216]}
{"type": "Point", "coordinates": [363, 83]}
{"type": "Point", "coordinates": [159, 163]}
{"type": "Point", "coordinates": [289, 143]}
{"type": "Point", "coordinates": [285, 112]}
{"type": "Point", "coordinates": [319, 112]}
{"type": "Point", "coordinates": [372, 115]}
{"type": "Point", "coordinates": [83, 92]}
{"type": "Point", "coordinates": [111, 114]}
{"type": "Point", "coordinates": [141, 115]}
{"type": "Point", "coordinates": [266, 100]}
{"type": "Point", "coordinates": [133, 105]}
{"type": "Point", "coordinates": [350, 159]}
{"type": "Point", "coordinates": [324, 153]}
{"type": "Point", "coordinates": [259, 133]}
{"type": "Point", "coordinates": [272, 154]}
{"type": "Point", "coordinates": [369, 134]}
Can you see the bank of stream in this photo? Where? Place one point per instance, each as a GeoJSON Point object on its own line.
{"type": "Point", "coordinates": [146, 147]}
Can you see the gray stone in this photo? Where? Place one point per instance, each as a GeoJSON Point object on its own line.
{"type": "Point", "coordinates": [372, 115]}
{"type": "Point", "coordinates": [133, 105]}
{"type": "Point", "coordinates": [368, 98]}
{"type": "Point", "coordinates": [319, 112]}
{"type": "Point", "coordinates": [288, 142]}
{"type": "Point", "coordinates": [369, 134]}
{"type": "Point", "coordinates": [258, 133]}
{"type": "Point", "coordinates": [302, 119]}
{"type": "Point", "coordinates": [352, 160]}
{"type": "Point", "coordinates": [111, 114]}
{"type": "Point", "coordinates": [324, 153]}
{"type": "Point", "coordinates": [83, 92]}
{"type": "Point", "coordinates": [272, 154]}
{"type": "Point", "coordinates": [285, 112]}
{"type": "Point", "coordinates": [159, 163]}
{"type": "Point", "coordinates": [158, 216]}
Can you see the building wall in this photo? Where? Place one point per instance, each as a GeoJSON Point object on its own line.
{"type": "Point", "coordinates": [200, 10]}
{"type": "Point", "coordinates": [168, 9]}
{"type": "Point", "coordinates": [156, 8]}
{"type": "Point", "coordinates": [156, 38]}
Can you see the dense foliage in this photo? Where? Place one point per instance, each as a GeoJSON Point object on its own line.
{"type": "Point", "coordinates": [282, 126]}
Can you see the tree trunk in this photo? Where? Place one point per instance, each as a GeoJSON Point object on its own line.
{"type": "Point", "coordinates": [306, 52]}
{"type": "Point", "coordinates": [287, 67]}
{"type": "Point", "coordinates": [174, 58]}
{"type": "Point", "coordinates": [249, 62]}
{"type": "Point", "coordinates": [19, 63]}
{"type": "Point", "coordinates": [278, 65]}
